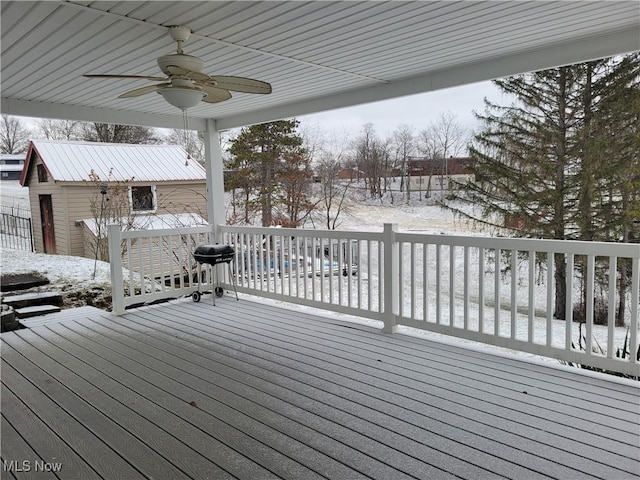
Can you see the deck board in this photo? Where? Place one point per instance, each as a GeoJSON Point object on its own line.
{"type": "Point", "coordinates": [16, 447]}
{"type": "Point", "coordinates": [251, 390]}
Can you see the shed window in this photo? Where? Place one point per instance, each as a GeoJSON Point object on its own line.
{"type": "Point", "coordinates": [42, 173]}
{"type": "Point", "coordinates": [143, 198]}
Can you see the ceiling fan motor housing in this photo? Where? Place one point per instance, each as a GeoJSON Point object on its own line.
{"type": "Point", "coordinates": [182, 60]}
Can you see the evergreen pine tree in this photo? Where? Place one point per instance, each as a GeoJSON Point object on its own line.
{"type": "Point", "coordinates": [262, 150]}
{"type": "Point", "coordinates": [561, 161]}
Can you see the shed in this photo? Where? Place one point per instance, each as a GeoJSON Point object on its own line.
{"type": "Point", "coordinates": [70, 182]}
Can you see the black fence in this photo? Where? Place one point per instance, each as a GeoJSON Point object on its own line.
{"type": "Point", "coordinates": [16, 229]}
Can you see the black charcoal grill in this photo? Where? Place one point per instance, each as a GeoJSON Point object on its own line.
{"type": "Point", "coordinates": [214, 255]}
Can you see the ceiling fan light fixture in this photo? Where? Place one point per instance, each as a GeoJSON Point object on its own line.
{"type": "Point", "coordinates": [182, 98]}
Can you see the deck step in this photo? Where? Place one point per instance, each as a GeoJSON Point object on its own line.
{"type": "Point", "coordinates": [21, 281]}
{"type": "Point", "coordinates": [28, 312]}
{"type": "Point", "coordinates": [8, 317]}
{"type": "Point", "coordinates": [33, 299]}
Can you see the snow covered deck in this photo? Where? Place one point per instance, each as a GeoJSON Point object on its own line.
{"type": "Point", "coordinates": [253, 391]}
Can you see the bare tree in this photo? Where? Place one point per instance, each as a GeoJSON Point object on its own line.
{"type": "Point", "coordinates": [333, 190]}
{"type": "Point", "coordinates": [373, 159]}
{"type": "Point", "coordinates": [115, 133]}
{"type": "Point", "coordinates": [428, 149]}
{"type": "Point", "coordinates": [59, 129]}
{"type": "Point", "coordinates": [14, 135]}
{"type": "Point", "coordinates": [450, 138]}
{"type": "Point", "coordinates": [190, 140]}
{"type": "Point", "coordinates": [442, 139]}
{"type": "Point", "coordinates": [403, 145]}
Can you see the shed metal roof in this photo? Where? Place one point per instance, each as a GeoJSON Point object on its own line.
{"type": "Point", "coordinates": [74, 162]}
{"type": "Point", "coordinates": [318, 55]}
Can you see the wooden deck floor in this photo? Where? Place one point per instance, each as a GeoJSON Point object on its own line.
{"type": "Point", "coordinates": [252, 391]}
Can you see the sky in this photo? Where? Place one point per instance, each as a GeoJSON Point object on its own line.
{"type": "Point", "coordinates": [417, 111]}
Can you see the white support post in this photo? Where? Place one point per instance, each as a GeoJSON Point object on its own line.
{"type": "Point", "coordinates": [115, 265]}
{"type": "Point", "coordinates": [391, 277]}
{"type": "Point", "coordinates": [215, 179]}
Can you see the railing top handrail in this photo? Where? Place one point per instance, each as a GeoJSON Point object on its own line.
{"type": "Point", "coordinates": [124, 234]}
{"type": "Point", "coordinates": [626, 250]}
{"type": "Point", "coordinates": [623, 250]}
{"type": "Point", "coordinates": [302, 232]}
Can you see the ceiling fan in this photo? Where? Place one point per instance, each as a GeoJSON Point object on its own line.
{"type": "Point", "coordinates": [184, 85]}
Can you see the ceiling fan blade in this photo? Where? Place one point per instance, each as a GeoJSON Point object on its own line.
{"type": "Point", "coordinates": [143, 90]}
{"type": "Point", "coordinates": [215, 94]}
{"type": "Point", "coordinates": [183, 72]}
{"type": "Point", "coordinates": [240, 84]}
{"type": "Point", "coordinates": [141, 77]}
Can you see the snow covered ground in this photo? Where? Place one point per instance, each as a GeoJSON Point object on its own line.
{"type": "Point", "coordinates": [14, 195]}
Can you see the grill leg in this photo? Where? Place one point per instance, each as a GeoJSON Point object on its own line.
{"type": "Point", "coordinates": [214, 283]}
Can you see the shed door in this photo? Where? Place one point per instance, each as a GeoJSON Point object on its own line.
{"type": "Point", "coordinates": [46, 217]}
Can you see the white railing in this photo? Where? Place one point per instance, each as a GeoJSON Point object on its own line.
{"type": "Point", "coordinates": [152, 265]}
{"type": "Point", "coordinates": [337, 270]}
{"type": "Point", "coordinates": [502, 291]}
{"type": "Point", "coordinates": [498, 291]}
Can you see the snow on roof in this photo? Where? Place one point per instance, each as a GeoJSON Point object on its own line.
{"type": "Point", "coordinates": [74, 162]}
{"type": "Point", "coordinates": [12, 156]}
{"type": "Point", "coordinates": [153, 222]}
{"type": "Point", "coordinates": [11, 168]}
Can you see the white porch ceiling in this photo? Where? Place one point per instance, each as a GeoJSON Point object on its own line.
{"type": "Point", "coordinates": [318, 55]}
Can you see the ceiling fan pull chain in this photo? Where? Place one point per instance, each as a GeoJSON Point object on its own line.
{"type": "Point", "coordinates": [185, 129]}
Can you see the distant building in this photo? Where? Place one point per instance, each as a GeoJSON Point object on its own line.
{"type": "Point", "coordinates": [349, 174]}
{"type": "Point", "coordinates": [436, 174]}
{"type": "Point", "coordinates": [65, 181]}
{"type": "Point", "coordinates": [11, 166]}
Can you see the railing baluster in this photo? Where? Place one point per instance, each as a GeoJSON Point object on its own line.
{"type": "Point", "coordinates": [514, 299]}
{"type": "Point", "coordinates": [425, 281]}
{"type": "Point", "coordinates": [550, 299]}
{"type": "Point", "coordinates": [496, 283]}
{"type": "Point", "coordinates": [401, 277]}
{"type": "Point", "coordinates": [341, 265]}
{"type": "Point", "coordinates": [481, 299]}
{"type": "Point", "coordinates": [591, 263]}
{"type": "Point", "coordinates": [381, 270]}
{"type": "Point", "coordinates": [531, 296]}
{"type": "Point", "coordinates": [569, 301]}
{"type": "Point", "coordinates": [369, 276]}
{"type": "Point", "coordinates": [414, 280]}
{"type": "Point", "coordinates": [129, 266]}
{"type": "Point", "coordinates": [172, 273]}
{"type": "Point", "coordinates": [466, 288]}
{"type": "Point", "coordinates": [140, 265]}
{"type": "Point", "coordinates": [313, 266]}
{"type": "Point", "coordinates": [305, 257]}
{"type": "Point", "coordinates": [452, 285]}
{"type": "Point", "coordinates": [349, 247]}
{"type": "Point", "coordinates": [611, 314]}
{"type": "Point", "coordinates": [152, 282]}
{"type": "Point", "coordinates": [438, 291]}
